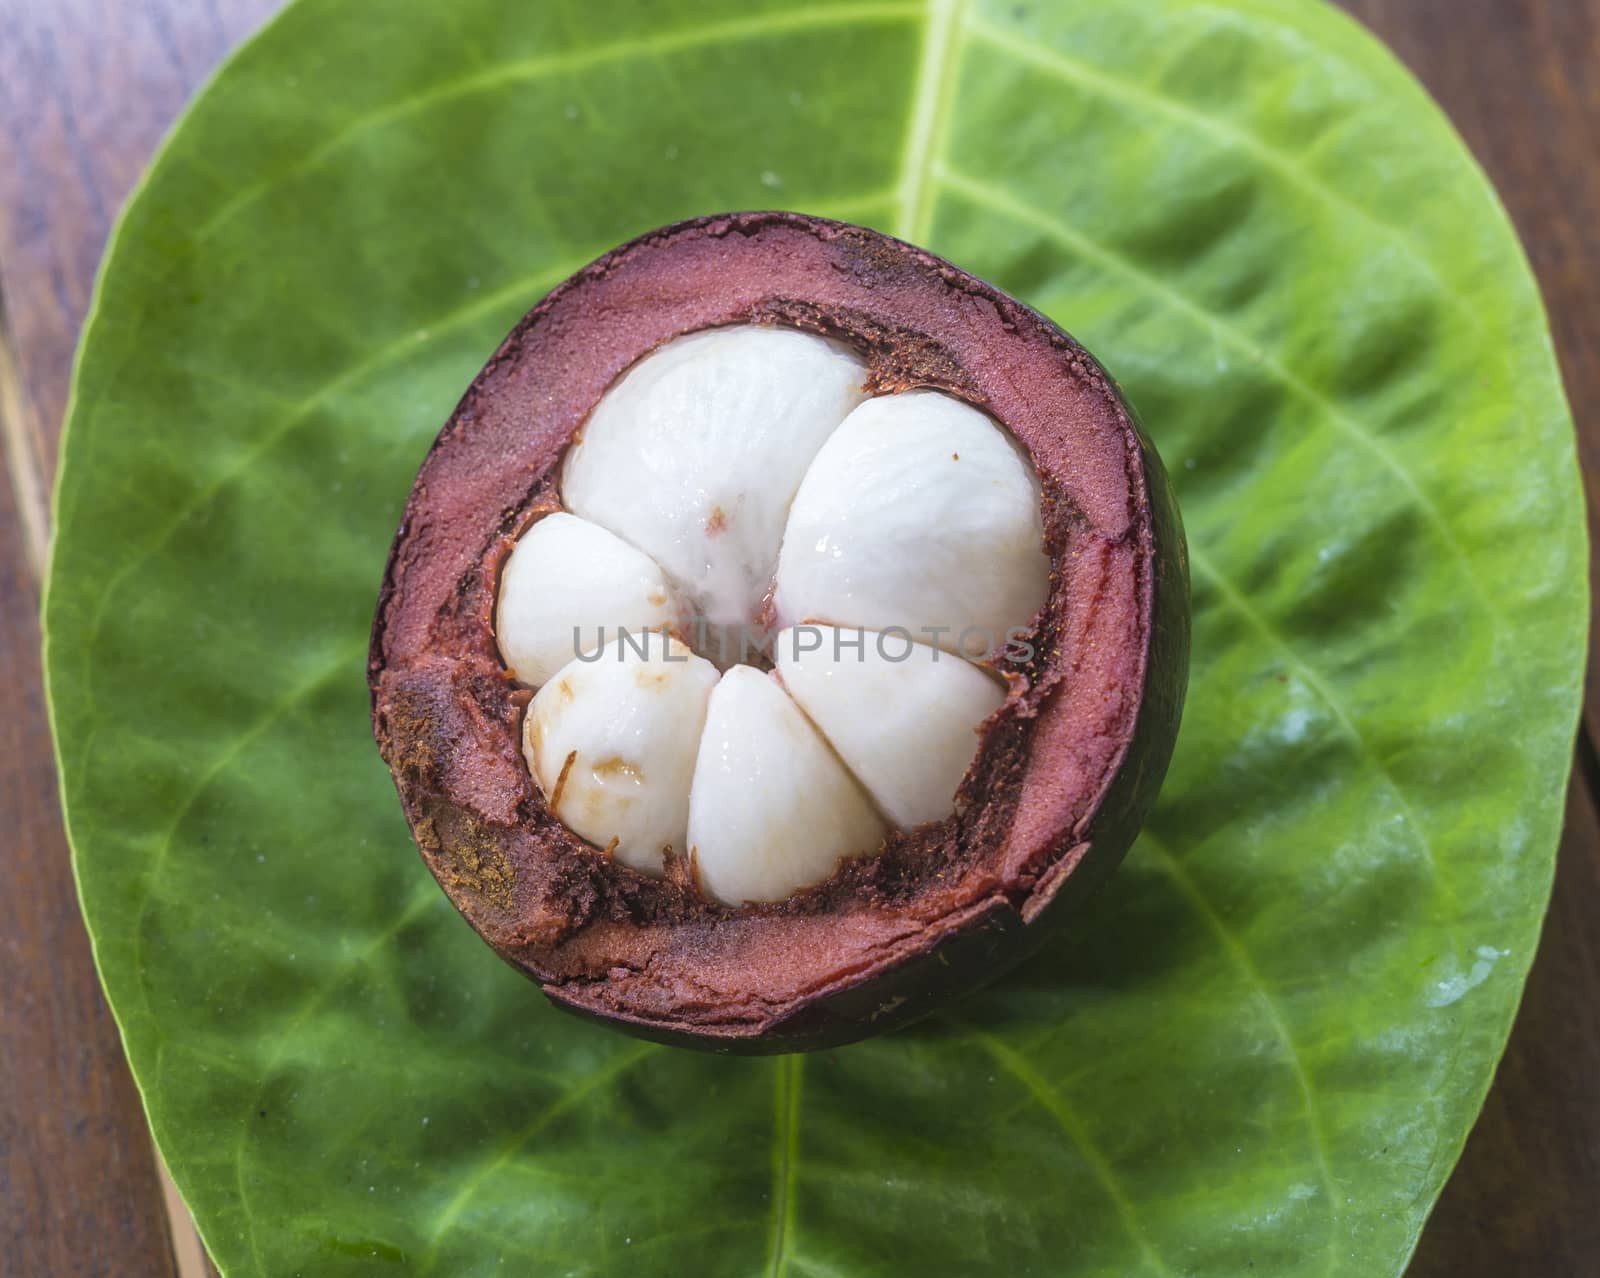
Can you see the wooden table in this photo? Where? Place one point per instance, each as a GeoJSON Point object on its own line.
{"type": "Point", "coordinates": [86, 89]}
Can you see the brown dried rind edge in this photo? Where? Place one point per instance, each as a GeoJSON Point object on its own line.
{"type": "Point", "coordinates": [945, 908]}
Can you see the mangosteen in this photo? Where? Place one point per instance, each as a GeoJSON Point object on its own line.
{"type": "Point", "coordinates": [784, 633]}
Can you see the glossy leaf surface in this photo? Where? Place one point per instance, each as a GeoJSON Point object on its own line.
{"type": "Point", "coordinates": [1262, 1049]}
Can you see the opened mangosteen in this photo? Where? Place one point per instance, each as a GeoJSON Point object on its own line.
{"type": "Point", "coordinates": [784, 633]}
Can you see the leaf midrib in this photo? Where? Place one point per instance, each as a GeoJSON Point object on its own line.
{"type": "Point", "coordinates": [785, 1161]}
{"type": "Point", "coordinates": [942, 44]}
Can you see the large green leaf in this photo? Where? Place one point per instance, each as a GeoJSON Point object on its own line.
{"type": "Point", "coordinates": [1260, 1052]}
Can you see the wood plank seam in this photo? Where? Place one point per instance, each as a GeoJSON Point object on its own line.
{"type": "Point", "coordinates": [26, 453]}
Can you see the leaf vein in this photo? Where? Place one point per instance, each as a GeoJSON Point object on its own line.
{"type": "Point", "coordinates": [785, 1160]}
{"type": "Point", "coordinates": [1096, 80]}
{"type": "Point", "coordinates": [589, 1086]}
{"type": "Point", "coordinates": [240, 742]}
{"type": "Point", "coordinates": [1219, 325]}
{"type": "Point", "coordinates": [798, 18]}
{"type": "Point", "coordinates": [426, 898]}
{"type": "Point", "coordinates": [296, 416]}
{"type": "Point", "coordinates": [1240, 956]}
{"type": "Point", "coordinates": [1057, 1106]}
{"type": "Point", "coordinates": [1236, 599]}
{"type": "Point", "coordinates": [941, 57]}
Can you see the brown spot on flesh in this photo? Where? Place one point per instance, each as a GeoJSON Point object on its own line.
{"type": "Point", "coordinates": [616, 768]}
{"type": "Point", "coordinates": [651, 680]}
{"type": "Point", "coordinates": [561, 781]}
{"type": "Point", "coordinates": [717, 521]}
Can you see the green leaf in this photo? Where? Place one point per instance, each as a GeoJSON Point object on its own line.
{"type": "Point", "coordinates": [1262, 1049]}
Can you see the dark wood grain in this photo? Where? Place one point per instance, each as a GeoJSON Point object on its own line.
{"type": "Point", "coordinates": [79, 1191]}
{"type": "Point", "coordinates": [86, 89]}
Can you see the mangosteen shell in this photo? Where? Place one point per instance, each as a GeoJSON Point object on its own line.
{"type": "Point", "coordinates": [1067, 770]}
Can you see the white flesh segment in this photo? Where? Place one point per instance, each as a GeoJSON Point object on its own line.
{"type": "Point", "coordinates": [772, 809]}
{"type": "Point", "coordinates": [565, 582]}
{"type": "Point", "coordinates": [919, 512]}
{"type": "Point", "coordinates": [623, 728]}
{"type": "Point", "coordinates": [695, 454]}
{"type": "Point", "coordinates": [903, 717]}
